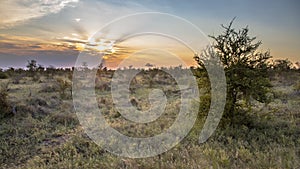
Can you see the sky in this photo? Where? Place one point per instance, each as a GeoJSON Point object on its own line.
{"type": "Point", "coordinates": [55, 32]}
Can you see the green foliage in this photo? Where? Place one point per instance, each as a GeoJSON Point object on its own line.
{"type": "Point", "coordinates": [245, 69]}
{"type": "Point", "coordinates": [10, 72]}
{"type": "Point", "coordinates": [205, 95]}
{"type": "Point", "coordinates": [3, 75]}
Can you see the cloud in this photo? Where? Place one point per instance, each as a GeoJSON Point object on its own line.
{"type": "Point", "coordinates": [13, 12]}
{"type": "Point", "coordinates": [25, 46]}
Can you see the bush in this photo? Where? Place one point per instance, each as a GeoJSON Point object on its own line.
{"type": "Point", "coordinates": [36, 77]}
{"type": "Point", "coordinates": [63, 85]}
{"type": "Point", "coordinates": [245, 67]}
{"type": "Point", "coordinates": [3, 75]}
{"type": "Point", "coordinates": [4, 105]}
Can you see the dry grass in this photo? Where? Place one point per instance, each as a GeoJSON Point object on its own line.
{"type": "Point", "coordinates": [45, 132]}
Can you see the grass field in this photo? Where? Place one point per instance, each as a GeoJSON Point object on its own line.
{"type": "Point", "coordinates": [41, 130]}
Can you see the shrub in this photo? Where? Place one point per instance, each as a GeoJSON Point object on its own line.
{"type": "Point", "coordinates": [3, 75]}
{"type": "Point", "coordinates": [63, 85]}
{"type": "Point", "coordinates": [17, 78]}
{"type": "Point", "coordinates": [245, 68]}
{"type": "Point", "coordinates": [36, 77]}
{"type": "Point", "coordinates": [297, 87]}
{"type": "Point", "coordinates": [4, 105]}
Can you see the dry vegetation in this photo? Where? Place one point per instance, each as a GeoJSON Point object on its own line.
{"type": "Point", "coordinates": [39, 127]}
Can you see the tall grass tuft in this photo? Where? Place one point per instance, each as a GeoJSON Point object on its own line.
{"type": "Point", "coordinates": [63, 85]}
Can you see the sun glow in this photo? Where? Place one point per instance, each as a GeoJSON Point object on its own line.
{"type": "Point", "coordinates": [79, 46]}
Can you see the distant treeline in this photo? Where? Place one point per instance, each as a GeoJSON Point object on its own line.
{"type": "Point", "coordinates": [32, 66]}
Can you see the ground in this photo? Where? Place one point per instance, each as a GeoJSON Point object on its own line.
{"type": "Point", "coordinates": [42, 129]}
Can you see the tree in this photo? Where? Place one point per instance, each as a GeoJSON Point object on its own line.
{"type": "Point", "coordinates": [32, 66]}
{"type": "Point", "coordinates": [245, 68]}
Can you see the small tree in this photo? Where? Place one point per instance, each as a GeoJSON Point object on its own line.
{"type": "Point", "coordinates": [245, 69]}
{"type": "Point", "coordinates": [32, 66]}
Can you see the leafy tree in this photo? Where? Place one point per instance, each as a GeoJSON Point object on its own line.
{"type": "Point", "coordinates": [245, 68]}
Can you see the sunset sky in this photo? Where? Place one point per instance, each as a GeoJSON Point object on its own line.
{"type": "Point", "coordinates": [53, 32]}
